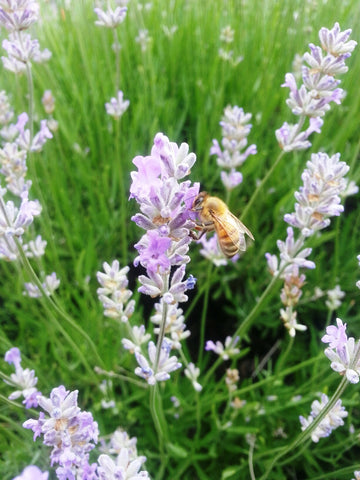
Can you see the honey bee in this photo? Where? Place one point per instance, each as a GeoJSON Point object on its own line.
{"type": "Point", "coordinates": [213, 215]}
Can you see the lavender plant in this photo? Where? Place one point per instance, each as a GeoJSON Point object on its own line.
{"type": "Point", "coordinates": [136, 355]}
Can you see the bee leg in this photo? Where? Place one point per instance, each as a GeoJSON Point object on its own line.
{"type": "Point", "coordinates": [198, 234]}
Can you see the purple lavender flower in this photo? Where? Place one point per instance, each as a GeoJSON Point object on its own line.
{"type": "Point", "coordinates": [165, 205]}
{"type": "Point", "coordinates": [317, 200]}
{"type": "Point", "coordinates": [71, 432]}
{"type": "Point", "coordinates": [117, 106]}
{"type": "Point", "coordinates": [113, 292]}
{"type": "Point", "coordinates": [148, 369]}
{"type": "Point", "coordinates": [122, 467]}
{"type": "Point", "coordinates": [235, 129]}
{"type": "Point", "coordinates": [110, 18]}
{"type": "Point", "coordinates": [330, 422]}
{"type": "Point", "coordinates": [18, 15]}
{"type": "Point", "coordinates": [23, 379]}
{"type": "Point", "coordinates": [319, 89]}
{"type": "Point", "coordinates": [226, 351]}
{"type": "Point", "coordinates": [343, 352]}
{"type": "Point", "coordinates": [32, 472]}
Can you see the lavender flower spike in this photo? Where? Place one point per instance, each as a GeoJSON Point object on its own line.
{"type": "Point", "coordinates": [343, 352]}
{"type": "Point", "coordinates": [330, 422]}
{"type": "Point", "coordinates": [319, 88]}
{"type": "Point", "coordinates": [71, 432]}
{"type": "Point", "coordinates": [23, 379]}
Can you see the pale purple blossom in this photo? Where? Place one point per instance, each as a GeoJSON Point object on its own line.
{"type": "Point", "coordinates": [23, 379]}
{"type": "Point", "coordinates": [319, 197]}
{"type": "Point", "coordinates": [211, 250]}
{"type": "Point", "coordinates": [119, 440]}
{"type": "Point", "coordinates": [319, 88]}
{"type": "Point", "coordinates": [17, 15]}
{"type": "Point", "coordinates": [175, 327]}
{"type": "Point", "coordinates": [71, 433]}
{"type": "Point", "coordinates": [24, 141]}
{"type": "Point", "coordinates": [117, 105]}
{"type": "Point", "coordinates": [147, 366]}
{"type": "Point", "coordinates": [192, 372]}
{"type": "Point", "coordinates": [113, 293]}
{"type": "Point", "coordinates": [225, 351]}
{"type": "Point", "coordinates": [138, 338]}
{"type": "Point", "coordinates": [330, 422]}
{"type": "Point", "coordinates": [233, 152]}
{"type": "Point", "coordinates": [49, 285]}
{"type": "Point", "coordinates": [122, 467]}
{"type": "Point", "coordinates": [343, 352]}
{"type": "Point", "coordinates": [335, 296]}
{"type": "Point", "coordinates": [110, 18]}
{"type": "Point", "coordinates": [32, 472]}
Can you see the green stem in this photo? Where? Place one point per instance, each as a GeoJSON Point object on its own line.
{"type": "Point", "coordinates": [283, 358]}
{"type": "Point", "coordinates": [204, 313]}
{"type": "Point", "coordinates": [245, 325]}
{"type": "Point", "coordinates": [309, 430]}
{"type": "Point", "coordinates": [261, 184]}
{"type": "Point", "coordinates": [50, 304]}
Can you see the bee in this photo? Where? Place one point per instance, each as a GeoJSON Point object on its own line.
{"type": "Point", "coordinates": [213, 215]}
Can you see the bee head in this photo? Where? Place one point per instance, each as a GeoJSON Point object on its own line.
{"type": "Point", "coordinates": [198, 202]}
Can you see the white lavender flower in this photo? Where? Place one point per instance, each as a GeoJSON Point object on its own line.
{"type": "Point", "coordinates": [32, 472]}
{"type": "Point", "coordinates": [138, 338]}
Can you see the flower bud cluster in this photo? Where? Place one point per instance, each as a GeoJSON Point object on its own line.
{"type": "Point", "coordinates": [319, 88]}
{"type": "Point", "coordinates": [235, 129]}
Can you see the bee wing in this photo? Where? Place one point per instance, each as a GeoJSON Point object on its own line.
{"type": "Point", "coordinates": [231, 226]}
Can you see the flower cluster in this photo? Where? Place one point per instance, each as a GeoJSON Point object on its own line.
{"type": "Point", "coordinates": [319, 88]}
{"type": "Point", "coordinates": [318, 199]}
{"type": "Point", "coordinates": [165, 204]}
{"type": "Point", "coordinates": [342, 351]}
{"type": "Point", "coordinates": [23, 379]}
{"type": "Point", "coordinates": [113, 292]}
{"type": "Point", "coordinates": [17, 16]}
{"type": "Point", "coordinates": [50, 284]}
{"type": "Point", "coordinates": [235, 129]}
{"type": "Point", "coordinates": [330, 422]}
{"type": "Point", "coordinates": [71, 432]}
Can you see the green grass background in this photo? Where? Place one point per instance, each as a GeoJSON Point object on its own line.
{"type": "Point", "coordinates": [180, 86]}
